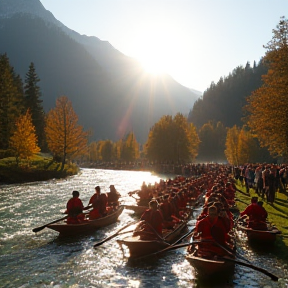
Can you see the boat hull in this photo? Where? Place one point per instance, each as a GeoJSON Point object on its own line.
{"type": "Point", "coordinates": [263, 237]}
{"type": "Point", "coordinates": [210, 267]}
{"type": "Point", "coordinates": [138, 247]}
{"type": "Point", "coordinates": [86, 227]}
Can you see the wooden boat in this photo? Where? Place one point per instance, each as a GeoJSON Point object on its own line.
{"type": "Point", "coordinates": [138, 210]}
{"type": "Point", "coordinates": [212, 265]}
{"type": "Point", "coordinates": [266, 234]}
{"type": "Point", "coordinates": [140, 247]}
{"type": "Point", "coordinates": [264, 237]}
{"type": "Point", "coordinates": [87, 227]}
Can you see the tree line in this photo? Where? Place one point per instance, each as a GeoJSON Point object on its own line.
{"type": "Point", "coordinates": [25, 129]}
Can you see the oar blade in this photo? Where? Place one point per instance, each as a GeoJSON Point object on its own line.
{"type": "Point", "coordinates": [114, 235]}
{"type": "Point", "coordinates": [37, 229]}
{"type": "Point", "coordinates": [272, 276]}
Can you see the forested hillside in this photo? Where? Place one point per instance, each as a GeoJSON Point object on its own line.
{"type": "Point", "coordinates": [225, 100]}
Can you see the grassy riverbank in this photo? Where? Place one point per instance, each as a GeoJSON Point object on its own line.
{"type": "Point", "coordinates": [40, 168]}
{"type": "Point", "coordinates": [277, 214]}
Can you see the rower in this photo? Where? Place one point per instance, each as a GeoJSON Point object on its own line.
{"type": "Point", "coordinates": [75, 209]}
{"type": "Point", "coordinates": [113, 197]}
{"type": "Point", "coordinates": [211, 228]}
{"type": "Point", "coordinates": [153, 220]}
{"type": "Point", "coordinates": [256, 213]}
{"type": "Point", "coordinates": [99, 202]}
{"type": "Point", "coordinates": [167, 211]}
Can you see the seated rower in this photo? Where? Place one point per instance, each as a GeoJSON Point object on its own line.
{"type": "Point", "coordinates": [168, 212]}
{"type": "Point", "coordinates": [257, 215]}
{"type": "Point", "coordinates": [153, 220]}
{"type": "Point", "coordinates": [113, 197]}
{"type": "Point", "coordinates": [211, 228]}
{"type": "Point", "coordinates": [75, 209]}
{"type": "Point", "coordinates": [99, 202]}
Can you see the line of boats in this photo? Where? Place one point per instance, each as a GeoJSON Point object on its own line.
{"type": "Point", "coordinates": [140, 247]}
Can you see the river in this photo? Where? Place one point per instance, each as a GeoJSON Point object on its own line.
{"type": "Point", "coordinates": [45, 260]}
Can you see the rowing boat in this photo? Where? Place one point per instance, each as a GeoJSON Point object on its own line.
{"type": "Point", "coordinates": [208, 263]}
{"type": "Point", "coordinates": [88, 226]}
{"type": "Point", "coordinates": [260, 236]}
{"type": "Point", "coordinates": [210, 266]}
{"type": "Point", "coordinates": [139, 247]}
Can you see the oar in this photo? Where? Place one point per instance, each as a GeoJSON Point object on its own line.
{"type": "Point", "coordinates": [231, 252]}
{"type": "Point", "coordinates": [114, 235]}
{"type": "Point", "coordinates": [156, 233]}
{"type": "Point", "coordinates": [87, 207]}
{"type": "Point", "coordinates": [44, 226]}
{"type": "Point", "coordinates": [172, 245]}
{"type": "Point", "coordinates": [272, 276]}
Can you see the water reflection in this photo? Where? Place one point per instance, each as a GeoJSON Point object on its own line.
{"type": "Point", "coordinates": [46, 260]}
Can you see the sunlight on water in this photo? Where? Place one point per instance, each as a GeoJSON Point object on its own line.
{"type": "Point", "coordinates": [45, 260]}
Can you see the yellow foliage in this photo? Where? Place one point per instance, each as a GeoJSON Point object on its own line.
{"type": "Point", "coordinates": [24, 140]}
{"type": "Point", "coordinates": [64, 136]}
{"type": "Point", "coordinates": [268, 105]}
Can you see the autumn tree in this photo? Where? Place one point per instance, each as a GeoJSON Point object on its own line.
{"type": "Point", "coordinates": [106, 150]}
{"type": "Point", "coordinates": [65, 137]}
{"type": "Point", "coordinates": [93, 152]}
{"type": "Point", "coordinates": [242, 147]}
{"type": "Point", "coordinates": [172, 139]}
{"type": "Point", "coordinates": [268, 105]}
{"type": "Point", "coordinates": [231, 151]}
{"type": "Point", "coordinates": [11, 100]}
{"type": "Point", "coordinates": [23, 141]}
{"type": "Point", "coordinates": [129, 148]}
{"type": "Point", "coordinates": [247, 148]}
{"type": "Point", "coordinates": [212, 145]}
{"type": "Point", "coordinates": [34, 103]}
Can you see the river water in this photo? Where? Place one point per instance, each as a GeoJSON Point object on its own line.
{"type": "Point", "coordinates": [46, 260]}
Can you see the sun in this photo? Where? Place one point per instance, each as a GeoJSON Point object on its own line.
{"type": "Point", "coordinates": [153, 64]}
{"type": "Point", "coordinates": [152, 51]}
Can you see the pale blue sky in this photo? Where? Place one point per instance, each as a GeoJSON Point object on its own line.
{"type": "Point", "coordinates": [195, 41]}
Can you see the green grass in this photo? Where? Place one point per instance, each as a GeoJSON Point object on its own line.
{"type": "Point", "coordinates": [39, 167]}
{"type": "Point", "coordinates": [277, 214]}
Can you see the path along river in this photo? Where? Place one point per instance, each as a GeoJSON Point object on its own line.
{"type": "Point", "coordinates": [45, 260]}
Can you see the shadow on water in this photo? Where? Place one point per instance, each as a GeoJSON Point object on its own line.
{"type": "Point", "coordinates": [223, 281]}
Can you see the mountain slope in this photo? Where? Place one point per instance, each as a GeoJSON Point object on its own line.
{"type": "Point", "coordinates": [110, 92]}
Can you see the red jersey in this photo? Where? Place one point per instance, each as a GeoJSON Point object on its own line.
{"type": "Point", "coordinates": [154, 218]}
{"type": "Point", "coordinates": [74, 206]}
{"type": "Point", "coordinates": [255, 212]}
{"type": "Point", "coordinates": [205, 227]}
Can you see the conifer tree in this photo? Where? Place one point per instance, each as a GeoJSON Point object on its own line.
{"type": "Point", "coordinates": [65, 137]}
{"type": "Point", "coordinates": [34, 103]}
{"type": "Point", "coordinates": [268, 105]}
{"type": "Point", "coordinates": [11, 100]}
{"type": "Point", "coordinates": [23, 141]}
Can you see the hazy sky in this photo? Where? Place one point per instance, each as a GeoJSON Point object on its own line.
{"type": "Point", "coordinates": [195, 41]}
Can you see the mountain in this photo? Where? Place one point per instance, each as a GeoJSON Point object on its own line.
{"type": "Point", "coordinates": [110, 92]}
{"type": "Point", "coordinates": [225, 101]}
